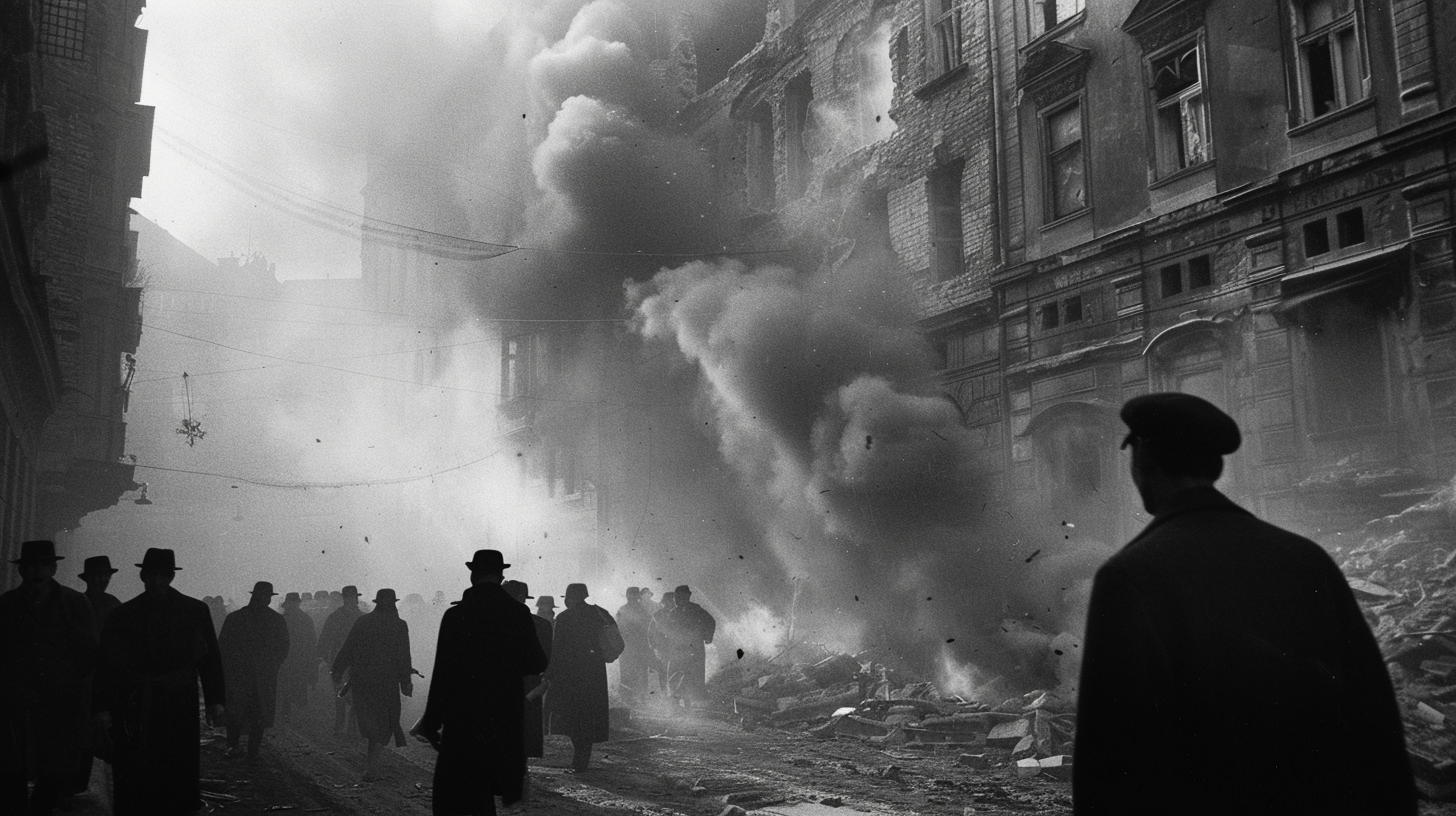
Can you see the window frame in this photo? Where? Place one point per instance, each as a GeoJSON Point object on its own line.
{"type": "Point", "coordinates": [946, 177]}
{"type": "Point", "coordinates": [1170, 147]}
{"type": "Point", "coordinates": [944, 38]}
{"type": "Point", "coordinates": [1352, 21]}
{"type": "Point", "coordinates": [1050, 156]}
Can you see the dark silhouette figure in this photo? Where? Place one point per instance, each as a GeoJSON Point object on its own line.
{"type": "Point", "coordinates": [535, 684]}
{"type": "Point", "coordinates": [376, 656]}
{"type": "Point", "coordinates": [633, 620]}
{"type": "Point", "coordinates": [546, 608]}
{"type": "Point", "coordinates": [1227, 667]}
{"type": "Point", "coordinates": [475, 712]}
{"type": "Point", "coordinates": [666, 643]}
{"type": "Point", "coordinates": [48, 645]}
{"type": "Point", "coordinates": [96, 573]}
{"type": "Point", "coordinates": [578, 676]}
{"type": "Point", "coordinates": [331, 640]}
{"type": "Point", "coordinates": [154, 651]}
{"type": "Point", "coordinates": [254, 644]}
{"type": "Point", "coordinates": [217, 608]}
{"type": "Point", "coordinates": [694, 628]}
{"type": "Point", "coordinates": [300, 670]}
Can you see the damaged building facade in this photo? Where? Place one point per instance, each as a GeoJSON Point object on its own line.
{"type": "Point", "coordinates": [76, 146]}
{"type": "Point", "coordinates": [1248, 200]}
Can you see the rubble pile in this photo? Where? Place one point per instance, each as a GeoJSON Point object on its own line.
{"type": "Point", "coordinates": [1403, 571]}
{"type": "Point", "coordinates": [845, 696]}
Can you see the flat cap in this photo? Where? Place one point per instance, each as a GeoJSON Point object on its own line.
{"type": "Point", "coordinates": [1183, 421]}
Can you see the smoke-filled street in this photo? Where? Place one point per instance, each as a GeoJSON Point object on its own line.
{"type": "Point", "coordinates": [728, 407]}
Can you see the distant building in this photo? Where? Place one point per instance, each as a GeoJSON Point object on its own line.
{"type": "Point", "coordinates": [71, 81]}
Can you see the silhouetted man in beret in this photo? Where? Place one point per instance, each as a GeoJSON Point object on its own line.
{"type": "Point", "coordinates": [1227, 668]}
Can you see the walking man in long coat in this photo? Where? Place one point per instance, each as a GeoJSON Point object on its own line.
{"type": "Point", "coordinates": [376, 656]}
{"type": "Point", "coordinates": [331, 640]}
{"type": "Point", "coordinates": [49, 650]}
{"type": "Point", "coordinates": [633, 619]}
{"type": "Point", "coordinates": [300, 670]}
{"type": "Point", "coordinates": [535, 684]}
{"type": "Point", "coordinates": [578, 676]}
{"type": "Point", "coordinates": [694, 627]}
{"type": "Point", "coordinates": [666, 642]}
{"type": "Point", "coordinates": [254, 644]}
{"type": "Point", "coordinates": [1212, 625]}
{"type": "Point", "coordinates": [154, 651]}
{"type": "Point", "coordinates": [96, 574]}
{"type": "Point", "coordinates": [475, 711]}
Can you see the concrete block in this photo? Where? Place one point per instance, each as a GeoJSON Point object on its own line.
{"type": "Point", "coordinates": [977, 762]}
{"type": "Point", "coordinates": [1027, 767]}
{"type": "Point", "coordinates": [1057, 767]}
{"type": "Point", "coordinates": [1007, 734]}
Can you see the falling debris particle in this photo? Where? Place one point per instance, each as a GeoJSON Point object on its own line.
{"type": "Point", "coordinates": [1034, 554]}
{"type": "Point", "coordinates": [856, 598]}
{"type": "Point", "coordinates": [317, 440]}
{"type": "Point", "coordinates": [1068, 524]}
{"type": "Point", "coordinates": [869, 440]}
{"type": "Point", "coordinates": [323, 552]}
{"type": "Point", "coordinates": [928, 598]}
{"type": "Point", "coordinates": [950, 640]}
{"type": "Point", "coordinates": [822, 492]}
{"type": "Point", "coordinates": [740, 654]}
{"type": "Point", "coordinates": [1058, 652]}
{"type": "Point", "coordinates": [740, 558]}
{"type": "Point", "coordinates": [366, 539]}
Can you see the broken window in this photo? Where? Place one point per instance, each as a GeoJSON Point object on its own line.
{"type": "Point", "coordinates": [1066, 170]}
{"type": "Point", "coordinates": [797, 98]}
{"type": "Point", "coordinates": [1050, 316]}
{"type": "Point", "coordinates": [1072, 309]}
{"type": "Point", "coordinates": [1347, 365]}
{"type": "Point", "coordinates": [63, 29]}
{"type": "Point", "coordinates": [1316, 238]}
{"type": "Point", "coordinates": [1331, 61]}
{"type": "Point", "coordinates": [1189, 276]}
{"type": "Point", "coordinates": [1180, 116]}
{"type": "Point", "coordinates": [1350, 227]}
{"type": "Point", "coordinates": [946, 239]}
{"type": "Point", "coordinates": [1052, 13]}
{"type": "Point", "coordinates": [761, 158]}
{"type": "Point", "coordinates": [945, 29]}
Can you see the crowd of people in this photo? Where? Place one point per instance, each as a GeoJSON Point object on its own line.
{"type": "Point", "coordinates": [124, 682]}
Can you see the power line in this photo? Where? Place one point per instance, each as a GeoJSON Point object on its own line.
{"type": "Point", "coordinates": [325, 485]}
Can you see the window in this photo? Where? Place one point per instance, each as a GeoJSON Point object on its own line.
{"type": "Point", "coordinates": [1186, 276]}
{"type": "Point", "coordinates": [63, 29]}
{"type": "Point", "coordinates": [1072, 309]}
{"type": "Point", "coordinates": [761, 158]}
{"type": "Point", "coordinates": [1050, 317]}
{"type": "Point", "coordinates": [797, 96]}
{"type": "Point", "coordinates": [1316, 238]}
{"type": "Point", "coordinates": [1172, 277]}
{"type": "Point", "coordinates": [1053, 13]}
{"type": "Point", "coordinates": [1062, 313]}
{"type": "Point", "coordinates": [1181, 118]}
{"type": "Point", "coordinates": [1200, 272]}
{"type": "Point", "coordinates": [946, 244]}
{"type": "Point", "coordinates": [1350, 227]}
{"type": "Point", "coordinates": [945, 31]}
{"type": "Point", "coordinates": [902, 56]}
{"type": "Point", "coordinates": [1067, 177]}
{"type": "Point", "coordinates": [1331, 62]}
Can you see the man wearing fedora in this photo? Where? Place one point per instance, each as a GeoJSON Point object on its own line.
{"type": "Point", "coordinates": [331, 640]}
{"type": "Point", "coordinates": [1227, 667]}
{"type": "Point", "coordinates": [695, 627]}
{"type": "Point", "coordinates": [254, 644]}
{"type": "Point", "coordinates": [376, 657]}
{"type": "Point", "coordinates": [49, 648]}
{"type": "Point", "coordinates": [155, 651]}
{"type": "Point", "coordinates": [534, 684]}
{"type": "Point", "coordinates": [578, 676]}
{"type": "Point", "coordinates": [476, 708]}
{"type": "Point", "coordinates": [96, 573]}
{"type": "Point", "coordinates": [300, 670]}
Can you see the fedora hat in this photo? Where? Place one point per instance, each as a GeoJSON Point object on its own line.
{"type": "Point", "coordinates": [350, 591]}
{"type": "Point", "coordinates": [547, 601]}
{"type": "Point", "coordinates": [385, 596]}
{"type": "Point", "coordinates": [512, 589]}
{"type": "Point", "coordinates": [487, 560]}
{"type": "Point", "coordinates": [98, 565]}
{"type": "Point", "coordinates": [159, 558]}
{"type": "Point", "coordinates": [38, 552]}
{"type": "Point", "coordinates": [263, 588]}
{"type": "Point", "coordinates": [576, 591]}
{"type": "Point", "coordinates": [291, 598]}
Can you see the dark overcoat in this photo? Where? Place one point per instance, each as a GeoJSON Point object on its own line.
{"type": "Point", "coordinates": [336, 630]}
{"type": "Point", "coordinates": [487, 645]}
{"type": "Point", "coordinates": [536, 709]}
{"type": "Point", "coordinates": [694, 627]}
{"type": "Point", "coordinates": [376, 655]}
{"type": "Point", "coordinates": [101, 608]}
{"type": "Point", "coordinates": [633, 620]}
{"type": "Point", "coordinates": [254, 643]}
{"type": "Point", "coordinates": [154, 651]}
{"type": "Point", "coordinates": [578, 675]}
{"type": "Point", "coordinates": [48, 648]}
{"type": "Point", "coordinates": [300, 670]}
{"type": "Point", "coordinates": [1228, 669]}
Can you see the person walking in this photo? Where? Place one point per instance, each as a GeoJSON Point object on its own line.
{"type": "Point", "coordinates": [1212, 625]}
{"type": "Point", "coordinates": [254, 643]}
{"type": "Point", "coordinates": [376, 657]}
{"type": "Point", "coordinates": [578, 676]}
{"type": "Point", "coordinates": [48, 641]}
{"type": "Point", "coordinates": [634, 620]}
{"type": "Point", "coordinates": [300, 670]}
{"type": "Point", "coordinates": [535, 684]}
{"type": "Point", "coordinates": [331, 639]}
{"type": "Point", "coordinates": [475, 712]}
{"type": "Point", "coordinates": [665, 640]}
{"type": "Point", "coordinates": [546, 608]}
{"type": "Point", "coordinates": [96, 573]}
{"type": "Point", "coordinates": [694, 627]}
{"type": "Point", "coordinates": [156, 649]}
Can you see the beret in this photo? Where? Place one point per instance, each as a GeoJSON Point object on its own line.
{"type": "Point", "coordinates": [1182, 421]}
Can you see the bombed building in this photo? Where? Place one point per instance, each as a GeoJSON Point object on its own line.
{"type": "Point", "coordinates": [76, 147]}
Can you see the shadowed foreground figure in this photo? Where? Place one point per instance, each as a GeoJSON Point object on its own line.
{"type": "Point", "coordinates": [96, 573]}
{"type": "Point", "coordinates": [300, 670]}
{"type": "Point", "coordinates": [633, 620]}
{"type": "Point", "coordinates": [474, 715]}
{"type": "Point", "coordinates": [376, 654]}
{"type": "Point", "coordinates": [534, 684]}
{"type": "Point", "coordinates": [330, 640]}
{"type": "Point", "coordinates": [694, 627]}
{"type": "Point", "coordinates": [1227, 667]}
{"type": "Point", "coordinates": [254, 644]}
{"type": "Point", "coordinates": [154, 651]}
{"type": "Point", "coordinates": [578, 676]}
{"type": "Point", "coordinates": [48, 648]}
